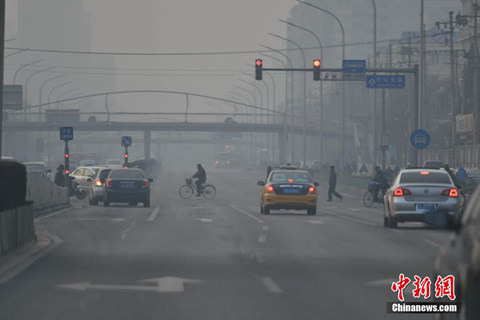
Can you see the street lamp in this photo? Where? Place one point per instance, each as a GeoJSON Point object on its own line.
{"type": "Point", "coordinates": [321, 82]}
{"type": "Point", "coordinates": [342, 155]}
{"type": "Point", "coordinates": [304, 96]}
{"type": "Point", "coordinates": [56, 87]}
{"type": "Point", "coordinates": [292, 155]}
{"type": "Point", "coordinates": [26, 88]}
{"type": "Point", "coordinates": [23, 66]}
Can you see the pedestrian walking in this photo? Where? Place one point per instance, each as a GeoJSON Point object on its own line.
{"type": "Point", "coordinates": [332, 184]}
{"type": "Point", "coordinates": [60, 176]}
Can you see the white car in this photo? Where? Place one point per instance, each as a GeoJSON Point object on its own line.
{"type": "Point", "coordinates": [114, 163]}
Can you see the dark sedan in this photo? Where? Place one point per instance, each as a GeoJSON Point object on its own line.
{"type": "Point", "coordinates": [127, 186]}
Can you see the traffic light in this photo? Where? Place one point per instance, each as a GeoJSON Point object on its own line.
{"type": "Point", "coordinates": [258, 69]}
{"type": "Point", "coordinates": [125, 156]}
{"type": "Point", "coordinates": [316, 69]}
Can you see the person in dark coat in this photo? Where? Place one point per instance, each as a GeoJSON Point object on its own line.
{"type": "Point", "coordinates": [332, 184]}
{"type": "Point", "coordinates": [382, 182]}
{"type": "Point", "coordinates": [60, 176]}
{"type": "Point", "coordinates": [201, 177]}
{"type": "Point", "coordinates": [269, 169]}
{"type": "Point", "coordinates": [363, 169]}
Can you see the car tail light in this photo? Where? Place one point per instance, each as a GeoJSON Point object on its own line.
{"type": "Point", "coordinates": [270, 189]}
{"type": "Point", "coordinates": [450, 193]}
{"type": "Point", "coordinates": [228, 162]}
{"type": "Point", "coordinates": [424, 173]}
{"type": "Point", "coordinates": [290, 180]}
{"type": "Point", "coordinates": [216, 161]}
{"type": "Point", "coordinates": [311, 189]}
{"type": "Point", "coordinates": [145, 184]}
{"type": "Point", "coordinates": [399, 192]}
{"type": "Point", "coordinates": [98, 183]}
{"type": "Point", "coordinates": [108, 183]}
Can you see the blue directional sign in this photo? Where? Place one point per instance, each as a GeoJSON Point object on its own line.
{"type": "Point", "coordinates": [66, 133]}
{"type": "Point", "coordinates": [126, 141]}
{"type": "Point", "coordinates": [386, 82]}
{"type": "Point", "coordinates": [354, 66]}
{"type": "Point", "coordinates": [420, 139]}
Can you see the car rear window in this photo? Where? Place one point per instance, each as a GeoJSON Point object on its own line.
{"type": "Point", "coordinates": [290, 177]}
{"type": "Point", "coordinates": [104, 174]}
{"type": "Point", "coordinates": [127, 174]}
{"type": "Point", "coordinates": [431, 177]}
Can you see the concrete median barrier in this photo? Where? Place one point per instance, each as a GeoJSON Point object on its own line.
{"type": "Point", "coordinates": [16, 227]}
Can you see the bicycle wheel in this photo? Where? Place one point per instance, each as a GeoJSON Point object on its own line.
{"type": "Point", "coordinates": [185, 191]}
{"type": "Point", "coordinates": [368, 199]}
{"type": "Point", "coordinates": [209, 191]}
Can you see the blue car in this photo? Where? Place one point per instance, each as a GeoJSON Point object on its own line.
{"type": "Point", "coordinates": [127, 186]}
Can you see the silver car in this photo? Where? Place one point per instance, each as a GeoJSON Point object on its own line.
{"type": "Point", "coordinates": [95, 193]}
{"type": "Point", "coordinates": [422, 195]}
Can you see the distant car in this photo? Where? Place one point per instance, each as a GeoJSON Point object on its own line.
{"type": "Point", "coordinates": [95, 192]}
{"type": "Point", "coordinates": [288, 188]}
{"type": "Point", "coordinates": [461, 258]}
{"type": "Point", "coordinates": [36, 166]}
{"type": "Point", "coordinates": [7, 158]}
{"type": "Point", "coordinates": [88, 163]}
{"type": "Point", "coordinates": [417, 194]}
{"type": "Point", "coordinates": [127, 186]}
{"type": "Point", "coordinates": [434, 164]}
{"type": "Point", "coordinates": [114, 163]}
{"type": "Point", "coordinates": [473, 179]}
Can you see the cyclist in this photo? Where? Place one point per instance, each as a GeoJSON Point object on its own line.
{"type": "Point", "coordinates": [382, 183]}
{"type": "Point", "coordinates": [201, 177]}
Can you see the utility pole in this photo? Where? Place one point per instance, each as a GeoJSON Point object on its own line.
{"type": "Point", "coordinates": [453, 85]}
{"type": "Point", "coordinates": [475, 73]}
{"type": "Point", "coordinates": [2, 53]}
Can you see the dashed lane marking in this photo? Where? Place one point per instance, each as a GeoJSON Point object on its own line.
{"type": "Point", "coordinates": [265, 228]}
{"type": "Point", "coordinates": [262, 239]}
{"type": "Point", "coordinates": [315, 221]}
{"type": "Point", "coordinates": [99, 219]}
{"type": "Point", "coordinates": [431, 243]}
{"type": "Point", "coordinates": [271, 286]}
{"type": "Point", "coordinates": [248, 214]}
{"type": "Point", "coordinates": [154, 214]}
{"type": "Point", "coordinates": [205, 220]}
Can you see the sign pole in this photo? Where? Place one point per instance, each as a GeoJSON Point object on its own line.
{"type": "Point", "coordinates": [67, 165]}
{"type": "Point", "coordinates": [2, 50]}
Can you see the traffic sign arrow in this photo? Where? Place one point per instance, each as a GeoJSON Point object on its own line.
{"type": "Point", "coordinates": [163, 285]}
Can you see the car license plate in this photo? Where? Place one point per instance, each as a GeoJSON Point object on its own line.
{"type": "Point", "coordinates": [127, 185]}
{"type": "Point", "coordinates": [426, 207]}
{"type": "Point", "coordinates": [291, 191]}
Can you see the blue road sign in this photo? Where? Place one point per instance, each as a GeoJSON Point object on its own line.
{"type": "Point", "coordinates": [66, 133]}
{"type": "Point", "coordinates": [354, 66]}
{"type": "Point", "coordinates": [386, 82]}
{"type": "Point", "coordinates": [126, 141]}
{"type": "Point", "coordinates": [420, 139]}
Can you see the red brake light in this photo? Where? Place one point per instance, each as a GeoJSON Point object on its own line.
{"type": "Point", "coordinates": [270, 189]}
{"type": "Point", "coordinates": [311, 190]}
{"type": "Point", "coordinates": [450, 193]}
{"type": "Point", "coordinates": [145, 184]}
{"type": "Point", "coordinates": [290, 180]}
{"type": "Point", "coordinates": [108, 183]}
{"type": "Point", "coordinates": [399, 192]}
{"type": "Point", "coordinates": [216, 161]}
{"type": "Point", "coordinates": [98, 183]}
{"type": "Point", "coordinates": [424, 173]}
{"type": "Point", "coordinates": [228, 161]}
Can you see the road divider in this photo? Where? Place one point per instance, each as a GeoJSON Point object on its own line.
{"type": "Point", "coordinates": [44, 193]}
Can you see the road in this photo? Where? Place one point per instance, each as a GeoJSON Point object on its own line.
{"type": "Point", "coordinates": [219, 259]}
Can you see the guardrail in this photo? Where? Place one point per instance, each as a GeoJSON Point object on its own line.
{"type": "Point", "coordinates": [44, 193]}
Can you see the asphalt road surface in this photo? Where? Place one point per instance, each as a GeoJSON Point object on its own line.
{"type": "Point", "coordinates": [219, 259]}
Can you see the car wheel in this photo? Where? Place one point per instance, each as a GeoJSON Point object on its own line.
{"type": "Point", "coordinates": [392, 222]}
{"type": "Point", "coordinates": [106, 202]}
{"type": "Point", "coordinates": [95, 202]}
{"type": "Point", "coordinates": [385, 221]}
{"type": "Point", "coordinates": [266, 210]}
{"type": "Point", "coordinates": [146, 203]}
{"type": "Point", "coordinates": [312, 211]}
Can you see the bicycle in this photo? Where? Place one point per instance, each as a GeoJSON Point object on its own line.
{"type": "Point", "coordinates": [369, 197]}
{"type": "Point", "coordinates": [188, 189]}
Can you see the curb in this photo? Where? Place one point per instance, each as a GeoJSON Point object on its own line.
{"type": "Point", "coordinates": [18, 260]}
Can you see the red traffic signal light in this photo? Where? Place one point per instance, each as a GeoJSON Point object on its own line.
{"type": "Point", "coordinates": [67, 156]}
{"type": "Point", "coordinates": [126, 155]}
{"type": "Point", "coordinates": [67, 172]}
{"type": "Point", "coordinates": [316, 69]}
{"type": "Point", "coordinates": [258, 69]}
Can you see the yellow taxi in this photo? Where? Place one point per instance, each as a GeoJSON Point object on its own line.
{"type": "Point", "coordinates": [289, 188]}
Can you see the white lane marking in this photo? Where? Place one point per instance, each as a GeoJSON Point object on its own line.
{"type": "Point", "coordinates": [382, 282]}
{"type": "Point", "coordinates": [354, 209]}
{"type": "Point", "coordinates": [262, 239]}
{"type": "Point", "coordinates": [260, 258]}
{"type": "Point", "coordinates": [205, 220]}
{"type": "Point", "coordinates": [398, 231]}
{"type": "Point", "coordinates": [154, 214]}
{"type": "Point", "coordinates": [247, 214]}
{"type": "Point", "coordinates": [431, 243]}
{"type": "Point", "coordinates": [99, 219]}
{"type": "Point", "coordinates": [356, 220]}
{"type": "Point", "coordinates": [271, 285]}
{"type": "Point", "coordinates": [315, 221]}
{"type": "Point", "coordinates": [123, 236]}
{"type": "Point", "coordinates": [124, 232]}
{"type": "Point", "coordinates": [265, 228]}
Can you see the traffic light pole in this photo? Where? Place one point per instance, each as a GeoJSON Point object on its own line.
{"type": "Point", "coordinates": [125, 163]}
{"type": "Point", "coordinates": [67, 164]}
{"type": "Point", "coordinates": [414, 71]}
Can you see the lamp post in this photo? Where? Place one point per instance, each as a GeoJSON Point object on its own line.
{"type": "Point", "coordinates": [23, 66]}
{"type": "Point", "coordinates": [304, 96]}
{"type": "Point", "coordinates": [375, 90]}
{"type": "Point", "coordinates": [26, 89]}
{"type": "Point", "coordinates": [56, 87]}
{"type": "Point", "coordinates": [292, 156]}
{"type": "Point", "coordinates": [321, 82]}
{"type": "Point", "coordinates": [254, 116]}
{"type": "Point", "coordinates": [342, 156]}
{"type": "Point", "coordinates": [40, 94]}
